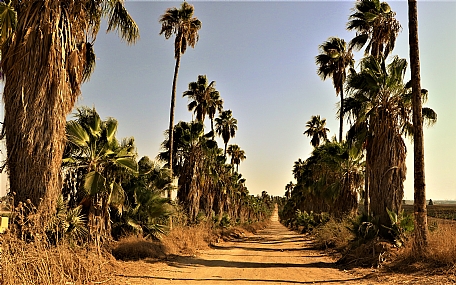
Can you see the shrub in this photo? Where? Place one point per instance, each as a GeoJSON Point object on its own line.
{"type": "Point", "coordinates": [135, 248]}
{"type": "Point", "coordinates": [333, 234]}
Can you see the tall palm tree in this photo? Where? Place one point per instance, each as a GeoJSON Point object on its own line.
{"type": "Point", "coordinates": [376, 27]}
{"type": "Point", "coordinates": [205, 99]}
{"type": "Point", "coordinates": [45, 63]}
{"type": "Point", "coordinates": [226, 126]}
{"type": "Point", "coordinates": [333, 61]}
{"type": "Point", "coordinates": [237, 155]}
{"type": "Point", "coordinates": [420, 243]}
{"type": "Point", "coordinates": [380, 104]}
{"type": "Point", "coordinates": [185, 27]}
{"type": "Point", "coordinates": [317, 130]}
{"type": "Point", "coordinates": [191, 148]}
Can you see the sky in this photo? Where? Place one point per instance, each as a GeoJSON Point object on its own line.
{"type": "Point", "coordinates": [262, 56]}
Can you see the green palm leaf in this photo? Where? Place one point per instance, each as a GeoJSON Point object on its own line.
{"type": "Point", "coordinates": [120, 20]}
{"type": "Point", "coordinates": [127, 163]}
{"type": "Point", "coordinates": [94, 183]}
{"type": "Point", "coordinates": [8, 21]}
{"type": "Point", "coordinates": [117, 198]}
{"type": "Point", "coordinates": [77, 134]}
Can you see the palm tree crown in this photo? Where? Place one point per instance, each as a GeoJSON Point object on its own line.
{"type": "Point", "coordinates": [205, 99]}
{"type": "Point", "coordinates": [182, 24]}
{"type": "Point", "coordinates": [226, 126]}
{"type": "Point", "coordinates": [237, 155]}
{"type": "Point", "coordinates": [333, 61]}
{"type": "Point", "coordinates": [375, 25]}
{"type": "Point", "coordinates": [317, 130]}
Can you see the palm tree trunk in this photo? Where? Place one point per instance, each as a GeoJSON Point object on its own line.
{"type": "Point", "coordinates": [366, 189]}
{"type": "Point", "coordinates": [171, 118]}
{"type": "Point", "coordinates": [41, 86]}
{"type": "Point", "coordinates": [341, 115]}
{"type": "Point", "coordinates": [420, 243]}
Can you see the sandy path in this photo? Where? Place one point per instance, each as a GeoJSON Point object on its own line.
{"type": "Point", "coordinates": [273, 256]}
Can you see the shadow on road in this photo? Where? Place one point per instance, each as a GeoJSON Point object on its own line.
{"type": "Point", "coordinates": [187, 262]}
{"type": "Point", "coordinates": [272, 281]}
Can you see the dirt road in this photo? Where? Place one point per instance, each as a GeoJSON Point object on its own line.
{"type": "Point", "coordinates": [273, 256]}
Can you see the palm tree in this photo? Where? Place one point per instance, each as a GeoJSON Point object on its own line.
{"type": "Point", "coordinates": [94, 148]}
{"type": "Point", "coordinates": [333, 61]}
{"type": "Point", "coordinates": [185, 27]}
{"type": "Point", "coordinates": [192, 147]}
{"type": "Point", "coordinates": [45, 63]}
{"type": "Point", "coordinates": [375, 25]}
{"type": "Point", "coordinates": [205, 99]}
{"type": "Point", "coordinates": [298, 168]}
{"type": "Point", "coordinates": [380, 105]}
{"type": "Point", "coordinates": [368, 109]}
{"type": "Point", "coordinates": [237, 155]}
{"type": "Point", "coordinates": [317, 130]}
{"type": "Point", "coordinates": [226, 126]}
{"type": "Point", "coordinates": [420, 243]}
{"type": "Point", "coordinates": [145, 208]}
{"type": "Point", "coordinates": [288, 188]}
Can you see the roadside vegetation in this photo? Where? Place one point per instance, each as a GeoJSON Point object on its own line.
{"type": "Point", "coordinates": [93, 200]}
{"type": "Point", "coordinates": [80, 197]}
{"type": "Point", "coordinates": [349, 192]}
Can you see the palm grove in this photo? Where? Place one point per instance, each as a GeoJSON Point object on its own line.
{"type": "Point", "coordinates": [74, 178]}
{"type": "Point", "coordinates": [380, 107]}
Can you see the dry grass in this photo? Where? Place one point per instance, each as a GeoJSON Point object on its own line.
{"type": "Point", "coordinates": [333, 234]}
{"type": "Point", "coordinates": [442, 243]}
{"type": "Point", "coordinates": [135, 248]}
{"type": "Point", "coordinates": [442, 246]}
{"type": "Point", "coordinates": [188, 240]}
{"type": "Point", "coordinates": [253, 228]}
{"type": "Point", "coordinates": [39, 263]}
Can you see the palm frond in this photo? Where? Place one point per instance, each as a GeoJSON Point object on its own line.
{"type": "Point", "coordinates": [120, 20]}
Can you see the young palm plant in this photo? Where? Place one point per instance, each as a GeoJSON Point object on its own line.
{"type": "Point", "coordinates": [94, 148]}
{"type": "Point", "coordinates": [146, 211]}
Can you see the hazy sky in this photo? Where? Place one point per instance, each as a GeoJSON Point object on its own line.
{"type": "Point", "coordinates": [262, 56]}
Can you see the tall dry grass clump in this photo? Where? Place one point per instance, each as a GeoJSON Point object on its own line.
{"type": "Point", "coordinates": [38, 262]}
{"type": "Point", "coordinates": [442, 242]}
{"type": "Point", "coordinates": [188, 240]}
{"type": "Point", "coordinates": [333, 234]}
{"type": "Point", "coordinates": [441, 251]}
{"type": "Point", "coordinates": [33, 254]}
{"type": "Point", "coordinates": [136, 248]}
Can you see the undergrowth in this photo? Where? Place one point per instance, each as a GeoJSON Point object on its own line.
{"type": "Point", "coordinates": [39, 262]}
